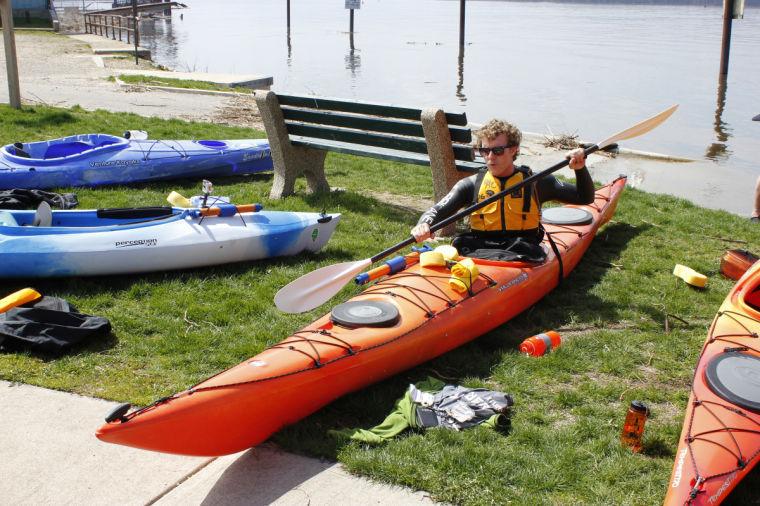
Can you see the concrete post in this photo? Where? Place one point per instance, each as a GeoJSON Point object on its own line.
{"type": "Point", "coordinates": [289, 161]}
{"type": "Point", "coordinates": [442, 162]}
{"type": "Point", "coordinates": [14, 92]}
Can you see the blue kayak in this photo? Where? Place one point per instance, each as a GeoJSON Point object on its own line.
{"type": "Point", "coordinates": [101, 159]}
{"type": "Point", "coordinates": [125, 241]}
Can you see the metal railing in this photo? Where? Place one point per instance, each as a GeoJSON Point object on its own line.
{"type": "Point", "coordinates": [83, 5]}
{"type": "Point", "coordinates": [100, 24]}
{"type": "Point", "coordinates": [128, 3]}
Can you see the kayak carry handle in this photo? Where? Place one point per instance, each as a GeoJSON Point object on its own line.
{"type": "Point", "coordinates": [118, 413]}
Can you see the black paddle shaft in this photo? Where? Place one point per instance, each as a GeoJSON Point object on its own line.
{"type": "Point", "coordinates": [493, 198]}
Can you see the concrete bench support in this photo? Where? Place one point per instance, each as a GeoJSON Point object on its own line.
{"type": "Point", "coordinates": [289, 161]}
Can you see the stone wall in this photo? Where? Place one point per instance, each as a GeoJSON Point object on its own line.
{"type": "Point", "coordinates": [71, 20]}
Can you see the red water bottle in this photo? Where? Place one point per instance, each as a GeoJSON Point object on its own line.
{"type": "Point", "coordinates": [633, 427]}
{"type": "Point", "coordinates": [540, 344]}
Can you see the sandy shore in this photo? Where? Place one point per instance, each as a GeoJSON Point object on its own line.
{"type": "Point", "coordinates": [59, 71]}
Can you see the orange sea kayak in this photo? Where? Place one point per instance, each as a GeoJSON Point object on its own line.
{"type": "Point", "coordinates": [245, 405]}
{"type": "Point", "coordinates": [720, 440]}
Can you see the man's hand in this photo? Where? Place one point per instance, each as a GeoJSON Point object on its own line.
{"type": "Point", "coordinates": [422, 232]}
{"type": "Point", "coordinates": [577, 159]}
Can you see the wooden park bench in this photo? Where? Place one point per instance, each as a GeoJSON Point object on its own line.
{"type": "Point", "coordinates": [302, 130]}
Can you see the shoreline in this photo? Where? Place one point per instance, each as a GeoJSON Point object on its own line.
{"type": "Point", "coordinates": [56, 71]}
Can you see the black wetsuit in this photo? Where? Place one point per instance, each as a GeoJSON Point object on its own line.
{"type": "Point", "coordinates": [465, 194]}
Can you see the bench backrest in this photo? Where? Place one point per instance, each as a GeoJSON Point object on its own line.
{"type": "Point", "coordinates": [386, 127]}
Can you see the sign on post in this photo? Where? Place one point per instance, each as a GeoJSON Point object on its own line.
{"type": "Point", "coordinates": [353, 4]}
{"type": "Point", "coordinates": [738, 9]}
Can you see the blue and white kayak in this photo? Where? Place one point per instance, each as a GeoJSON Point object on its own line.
{"type": "Point", "coordinates": [101, 159]}
{"type": "Point", "coordinates": [121, 241]}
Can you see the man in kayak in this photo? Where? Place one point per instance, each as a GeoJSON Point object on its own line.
{"type": "Point", "coordinates": [509, 229]}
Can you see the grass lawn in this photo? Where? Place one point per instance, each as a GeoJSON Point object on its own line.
{"type": "Point", "coordinates": [173, 329]}
{"type": "Point", "coordinates": [181, 83]}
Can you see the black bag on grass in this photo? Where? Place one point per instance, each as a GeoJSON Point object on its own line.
{"type": "Point", "coordinates": [19, 198]}
{"type": "Point", "coordinates": [50, 326]}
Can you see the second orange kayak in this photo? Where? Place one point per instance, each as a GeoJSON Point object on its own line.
{"type": "Point", "coordinates": [408, 318]}
{"type": "Point", "coordinates": [720, 439]}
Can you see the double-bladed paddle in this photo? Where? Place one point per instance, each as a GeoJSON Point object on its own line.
{"type": "Point", "coordinates": [319, 286]}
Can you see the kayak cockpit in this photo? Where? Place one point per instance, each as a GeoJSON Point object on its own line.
{"type": "Point", "coordinates": [65, 148]}
{"type": "Point", "coordinates": [747, 291]}
{"type": "Point", "coordinates": [22, 222]}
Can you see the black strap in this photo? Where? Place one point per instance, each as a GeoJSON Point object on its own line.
{"type": "Point", "coordinates": [530, 190]}
{"type": "Point", "coordinates": [559, 257]}
{"type": "Point", "coordinates": [478, 182]}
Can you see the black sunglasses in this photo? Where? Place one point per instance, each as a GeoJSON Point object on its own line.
{"type": "Point", "coordinates": [497, 150]}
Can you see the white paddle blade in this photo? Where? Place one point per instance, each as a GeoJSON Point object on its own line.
{"type": "Point", "coordinates": [639, 128]}
{"type": "Point", "coordinates": [317, 287]}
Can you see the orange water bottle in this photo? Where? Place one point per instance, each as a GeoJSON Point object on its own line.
{"type": "Point", "coordinates": [633, 427]}
{"type": "Point", "coordinates": [540, 344]}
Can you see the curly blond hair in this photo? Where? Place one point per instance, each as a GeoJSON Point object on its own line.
{"type": "Point", "coordinates": [495, 127]}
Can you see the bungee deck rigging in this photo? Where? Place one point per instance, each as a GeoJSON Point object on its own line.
{"type": "Point", "coordinates": [244, 405]}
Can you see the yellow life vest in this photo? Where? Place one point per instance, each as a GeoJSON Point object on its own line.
{"type": "Point", "coordinates": [517, 211]}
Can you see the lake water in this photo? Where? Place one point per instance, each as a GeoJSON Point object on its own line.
{"type": "Point", "coordinates": [547, 67]}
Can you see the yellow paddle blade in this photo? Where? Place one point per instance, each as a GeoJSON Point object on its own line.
{"type": "Point", "coordinates": [23, 296]}
{"type": "Point", "coordinates": [639, 128]}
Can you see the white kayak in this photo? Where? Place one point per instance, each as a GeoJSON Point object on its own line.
{"type": "Point", "coordinates": [122, 241]}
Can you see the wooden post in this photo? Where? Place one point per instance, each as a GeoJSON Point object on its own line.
{"type": "Point", "coordinates": [135, 35]}
{"type": "Point", "coordinates": [461, 22]}
{"type": "Point", "coordinates": [717, 150]}
{"type": "Point", "coordinates": [725, 47]}
{"type": "Point", "coordinates": [460, 75]}
{"type": "Point", "coordinates": [351, 29]}
{"type": "Point", "coordinates": [14, 92]}
{"type": "Point", "coordinates": [288, 14]}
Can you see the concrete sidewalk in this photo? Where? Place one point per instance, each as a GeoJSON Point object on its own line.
{"type": "Point", "coordinates": [49, 455]}
{"type": "Point", "coordinates": [104, 46]}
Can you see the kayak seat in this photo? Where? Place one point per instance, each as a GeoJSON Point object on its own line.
{"type": "Point", "coordinates": [43, 217]}
{"type": "Point", "coordinates": [7, 219]}
{"type": "Point", "coordinates": [19, 150]}
{"type": "Point", "coordinates": [66, 149]}
{"type": "Point", "coordinates": [105, 143]}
